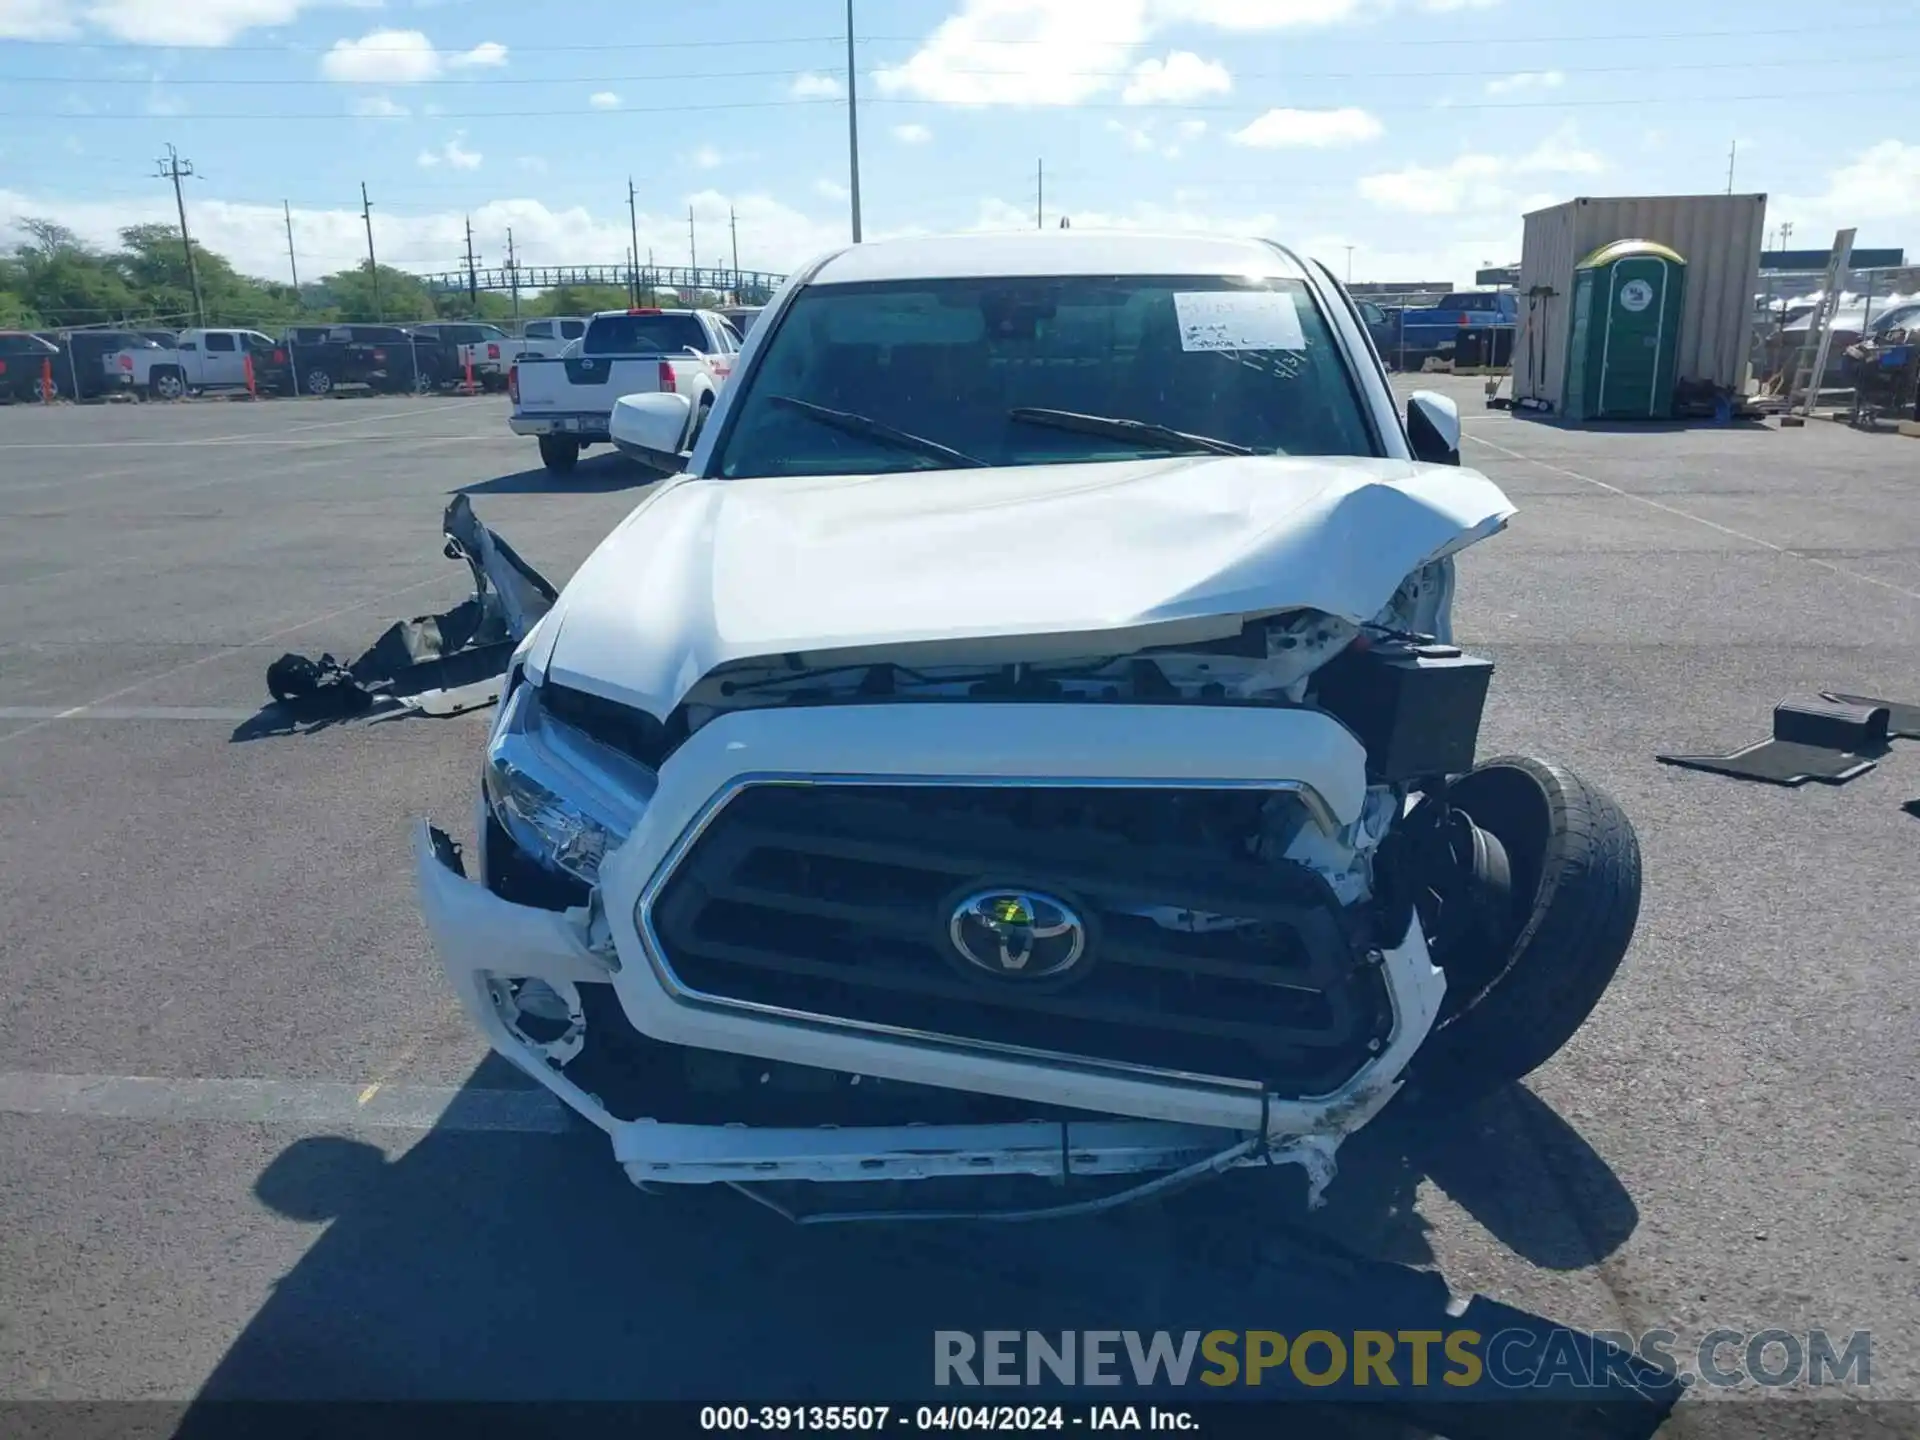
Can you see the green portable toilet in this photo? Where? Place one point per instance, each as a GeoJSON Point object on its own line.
{"type": "Point", "coordinates": [1622, 343]}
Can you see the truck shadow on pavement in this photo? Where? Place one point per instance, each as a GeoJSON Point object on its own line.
{"type": "Point", "coordinates": [514, 1266]}
{"type": "Point", "coordinates": [596, 474]}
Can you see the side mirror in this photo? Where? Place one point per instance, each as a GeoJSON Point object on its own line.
{"type": "Point", "coordinates": [652, 429]}
{"type": "Point", "coordinates": [1433, 428]}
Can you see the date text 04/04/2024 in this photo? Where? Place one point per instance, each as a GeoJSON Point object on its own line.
{"type": "Point", "coordinates": [942, 1418]}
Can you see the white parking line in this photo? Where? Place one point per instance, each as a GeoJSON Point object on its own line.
{"type": "Point", "coordinates": [80, 711]}
{"type": "Point", "coordinates": [317, 1103]}
{"type": "Point", "coordinates": [1675, 510]}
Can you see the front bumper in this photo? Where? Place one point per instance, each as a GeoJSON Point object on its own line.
{"type": "Point", "coordinates": [587, 427]}
{"type": "Point", "coordinates": [1170, 1122]}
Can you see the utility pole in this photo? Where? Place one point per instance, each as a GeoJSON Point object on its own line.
{"type": "Point", "coordinates": [633, 224]}
{"type": "Point", "coordinates": [373, 265]}
{"type": "Point", "coordinates": [652, 277]}
{"type": "Point", "coordinates": [473, 280]}
{"type": "Point", "coordinates": [1732, 150]}
{"type": "Point", "coordinates": [853, 131]}
{"type": "Point", "coordinates": [1349, 265]}
{"type": "Point", "coordinates": [1039, 194]}
{"type": "Point", "coordinates": [733, 229]}
{"type": "Point", "coordinates": [693, 256]}
{"type": "Point", "coordinates": [513, 275]}
{"type": "Point", "coordinates": [175, 169]}
{"type": "Point", "coordinates": [292, 264]}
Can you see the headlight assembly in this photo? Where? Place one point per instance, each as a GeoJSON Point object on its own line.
{"type": "Point", "coordinates": [565, 799]}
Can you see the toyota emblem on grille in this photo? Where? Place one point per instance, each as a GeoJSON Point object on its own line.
{"type": "Point", "coordinates": [1017, 933]}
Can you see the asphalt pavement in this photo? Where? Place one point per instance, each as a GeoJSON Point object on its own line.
{"type": "Point", "coordinates": [193, 896]}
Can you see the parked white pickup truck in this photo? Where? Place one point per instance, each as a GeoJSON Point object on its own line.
{"type": "Point", "coordinates": [198, 360]}
{"type": "Point", "coordinates": [548, 338]}
{"type": "Point", "coordinates": [567, 400]}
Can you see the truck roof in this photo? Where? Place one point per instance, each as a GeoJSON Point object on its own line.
{"type": "Point", "coordinates": [642, 310]}
{"type": "Point", "coordinates": [1056, 252]}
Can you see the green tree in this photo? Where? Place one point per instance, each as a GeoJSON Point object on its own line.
{"type": "Point", "coordinates": [577, 300]}
{"type": "Point", "coordinates": [349, 295]}
{"type": "Point", "coordinates": [66, 282]}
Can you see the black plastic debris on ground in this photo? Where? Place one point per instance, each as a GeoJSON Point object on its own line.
{"type": "Point", "coordinates": [440, 664]}
{"type": "Point", "coordinates": [1827, 740]}
{"type": "Point", "coordinates": [1903, 720]}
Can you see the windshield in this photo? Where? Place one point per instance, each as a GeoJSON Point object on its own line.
{"type": "Point", "coordinates": [964, 363]}
{"type": "Point", "coordinates": [645, 335]}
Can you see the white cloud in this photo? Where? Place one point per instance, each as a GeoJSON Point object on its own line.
{"type": "Point", "coordinates": [1064, 52]}
{"type": "Point", "coordinates": [37, 20]}
{"type": "Point", "coordinates": [1308, 129]}
{"type": "Point", "coordinates": [379, 106]}
{"type": "Point", "coordinates": [1191, 129]}
{"type": "Point", "coordinates": [707, 157]}
{"type": "Point", "coordinates": [1526, 80]}
{"type": "Point", "coordinates": [773, 236]}
{"type": "Point", "coordinates": [1447, 7]}
{"type": "Point", "coordinates": [452, 153]}
{"type": "Point", "coordinates": [1181, 77]}
{"type": "Point", "coordinates": [382, 57]}
{"type": "Point", "coordinates": [830, 189]}
{"type": "Point", "coordinates": [604, 100]}
{"type": "Point", "coordinates": [911, 134]}
{"type": "Point", "coordinates": [1142, 139]}
{"type": "Point", "coordinates": [1255, 14]}
{"type": "Point", "coordinates": [161, 103]}
{"type": "Point", "coordinates": [1881, 183]}
{"type": "Point", "coordinates": [487, 55]}
{"type": "Point", "coordinates": [815, 86]}
{"type": "Point", "coordinates": [200, 24]}
{"type": "Point", "coordinates": [1478, 181]}
{"type": "Point", "coordinates": [1015, 52]}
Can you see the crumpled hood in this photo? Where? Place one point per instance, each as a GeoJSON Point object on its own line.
{"type": "Point", "coordinates": [705, 572]}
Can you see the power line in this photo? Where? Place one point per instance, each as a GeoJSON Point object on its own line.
{"type": "Point", "coordinates": [334, 117]}
{"type": "Point", "coordinates": [1477, 72]}
{"type": "Point", "coordinates": [1372, 43]}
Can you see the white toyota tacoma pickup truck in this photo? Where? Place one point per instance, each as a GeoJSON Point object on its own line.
{"type": "Point", "coordinates": [568, 400]}
{"type": "Point", "coordinates": [1026, 742]}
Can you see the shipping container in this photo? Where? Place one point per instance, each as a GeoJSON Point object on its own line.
{"type": "Point", "coordinates": [1720, 237]}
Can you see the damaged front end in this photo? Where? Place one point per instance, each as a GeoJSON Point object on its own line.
{"type": "Point", "coordinates": [1113, 922]}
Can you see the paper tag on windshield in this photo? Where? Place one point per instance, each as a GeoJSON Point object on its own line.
{"type": "Point", "coordinates": [1238, 320]}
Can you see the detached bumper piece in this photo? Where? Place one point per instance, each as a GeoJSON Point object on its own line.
{"type": "Point", "coordinates": [441, 664]}
{"type": "Point", "coordinates": [1825, 740]}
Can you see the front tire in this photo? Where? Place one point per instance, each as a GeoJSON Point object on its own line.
{"type": "Point", "coordinates": [318, 382]}
{"type": "Point", "coordinates": [166, 385]}
{"type": "Point", "coordinates": [1520, 984]}
{"type": "Point", "coordinates": [559, 453]}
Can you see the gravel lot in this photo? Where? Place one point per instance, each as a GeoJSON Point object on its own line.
{"type": "Point", "coordinates": [1729, 1142]}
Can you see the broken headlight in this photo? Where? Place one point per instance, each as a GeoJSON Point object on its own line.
{"type": "Point", "coordinates": [563, 797]}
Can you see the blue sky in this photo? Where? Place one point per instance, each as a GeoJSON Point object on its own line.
{"type": "Point", "coordinates": [1414, 131]}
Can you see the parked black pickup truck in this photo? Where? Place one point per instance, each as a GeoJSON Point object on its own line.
{"type": "Point", "coordinates": [25, 361]}
{"type": "Point", "coordinates": [322, 358]}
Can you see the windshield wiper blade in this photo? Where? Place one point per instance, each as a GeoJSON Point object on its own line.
{"type": "Point", "coordinates": [867, 428]}
{"type": "Point", "coordinates": [1123, 429]}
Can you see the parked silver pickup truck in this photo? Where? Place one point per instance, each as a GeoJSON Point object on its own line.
{"type": "Point", "coordinates": [566, 401]}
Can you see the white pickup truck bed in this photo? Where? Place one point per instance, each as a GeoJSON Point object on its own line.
{"type": "Point", "coordinates": [567, 401]}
